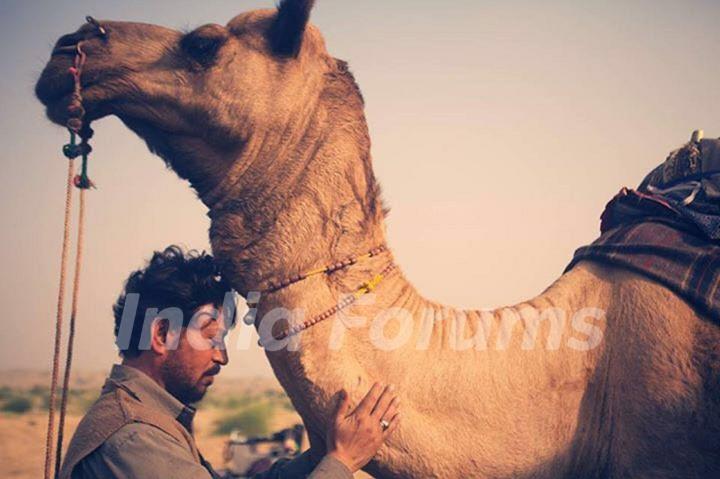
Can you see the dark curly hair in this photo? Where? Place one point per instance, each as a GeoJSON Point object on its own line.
{"type": "Point", "coordinates": [171, 279]}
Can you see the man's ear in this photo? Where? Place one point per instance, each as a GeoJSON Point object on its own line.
{"type": "Point", "coordinates": [287, 30]}
{"type": "Point", "coordinates": [162, 338]}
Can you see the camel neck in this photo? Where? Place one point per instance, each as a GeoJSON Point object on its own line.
{"type": "Point", "coordinates": [323, 207]}
{"type": "Point", "coordinates": [299, 197]}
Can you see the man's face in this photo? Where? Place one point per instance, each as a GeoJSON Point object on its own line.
{"type": "Point", "coordinates": [188, 370]}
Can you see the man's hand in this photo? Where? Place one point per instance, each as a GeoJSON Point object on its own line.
{"type": "Point", "coordinates": [355, 436]}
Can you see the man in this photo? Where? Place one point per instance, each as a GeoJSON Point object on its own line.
{"type": "Point", "coordinates": [171, 337]}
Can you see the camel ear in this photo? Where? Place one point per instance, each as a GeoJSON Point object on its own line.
{"type": "Point", "coordinates": [287, 31]}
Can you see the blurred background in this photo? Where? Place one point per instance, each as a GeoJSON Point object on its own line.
{"type": "Point", "coordinates": [500, 129]}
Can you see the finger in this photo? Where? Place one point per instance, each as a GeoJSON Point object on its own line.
{"type": "Point", "coordinates": [343, 405]}
{"type": "Point", "coordinates": [383, 403]}
{"type": "Point", "coordinates": [391, 410]}
{"type": "Point", "coordinates": [394, 422]}
{"type": "Point", "coordinates": [370, 399]}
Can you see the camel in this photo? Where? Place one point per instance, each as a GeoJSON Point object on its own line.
{"type": "Point", "coordinates": [604, 374]}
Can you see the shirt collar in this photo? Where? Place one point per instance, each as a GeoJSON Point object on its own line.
{"type": "Point", "coordinates": [150, 393]}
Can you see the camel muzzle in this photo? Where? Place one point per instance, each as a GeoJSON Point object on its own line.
{"type": "Point", "coordinates": [56, 82]}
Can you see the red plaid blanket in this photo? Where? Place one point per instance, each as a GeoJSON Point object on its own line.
{"type": "Point", "coordinates": [668, 234]}
{"type": "Point", "coordinates": [682, 262]}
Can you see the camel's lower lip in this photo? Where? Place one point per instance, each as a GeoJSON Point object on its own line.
{"type": "Point", "coordinates": [55, 88]}
{"type": "Point", "coordinates": [57, 109]}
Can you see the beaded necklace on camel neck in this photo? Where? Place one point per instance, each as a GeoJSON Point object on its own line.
{"type": "Point", "coordinates": [363, 289]}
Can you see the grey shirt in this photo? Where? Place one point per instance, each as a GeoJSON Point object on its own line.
{"type": "Point", "coordinates": [142, 451]}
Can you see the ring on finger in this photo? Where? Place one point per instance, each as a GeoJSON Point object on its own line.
{"type": "Point", "coordinates": [384, 425]}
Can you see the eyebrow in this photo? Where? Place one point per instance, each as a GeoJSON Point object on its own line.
{"type": "Point", "coordinates": [221, 326]}
{"type": "Point", "coordinates": [209, 323]}
{"type": "Point", "coordinates": [204, 319]}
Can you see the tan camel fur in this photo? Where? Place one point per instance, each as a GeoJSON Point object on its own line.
{"type": "Point", "coordinates": [605, 374]}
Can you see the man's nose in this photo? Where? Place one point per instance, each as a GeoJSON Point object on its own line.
{"type": "Point", "coordinates": [221, 356]}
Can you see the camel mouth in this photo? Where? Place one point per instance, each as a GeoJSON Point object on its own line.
{"type": "Point", "coordinates": [55, 82]}
{"type": "Point", "coordinates": [56, 85]}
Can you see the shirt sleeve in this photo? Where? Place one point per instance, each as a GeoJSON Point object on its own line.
{"type": "Point", "coordinates": [304, 466]}
{"type": "Point", "coordinates": [141, 451]}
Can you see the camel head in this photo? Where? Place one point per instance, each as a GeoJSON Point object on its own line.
{"type": "Point", "coordinates": [199, 98]}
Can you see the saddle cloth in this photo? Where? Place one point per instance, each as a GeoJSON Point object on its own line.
{"type": "Point", "coordinates": [669, 228]}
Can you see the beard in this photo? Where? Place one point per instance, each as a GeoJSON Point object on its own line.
{"type": "Point", "coordinates": [183, 383]}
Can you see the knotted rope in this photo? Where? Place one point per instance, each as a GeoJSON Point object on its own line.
{"type": "Point", "coordinates": [72, 150]}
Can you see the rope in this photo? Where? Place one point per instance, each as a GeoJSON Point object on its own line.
{"type": "Point", "coordinates": [58, 320]}
{"type": "Point", "coordinates": [72, 150]}
{"type": "Point", "coordinates": [71, 333]}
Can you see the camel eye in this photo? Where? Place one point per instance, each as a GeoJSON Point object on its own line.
{"type": "Point", "coordinates": [204, 43]}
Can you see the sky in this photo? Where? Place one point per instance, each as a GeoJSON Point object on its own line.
{"type": "Point", "coordinates": [500, 130]}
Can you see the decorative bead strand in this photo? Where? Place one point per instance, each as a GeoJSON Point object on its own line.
{"type": "Point", "coordinates": [348, 300]}
{"type": "Point", "coordinates": [349, 261]}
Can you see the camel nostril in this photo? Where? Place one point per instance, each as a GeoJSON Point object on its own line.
{"type": "Point", "coordinates": [100, 29]}
{"type": "Point", "coordinates": [69, 40]}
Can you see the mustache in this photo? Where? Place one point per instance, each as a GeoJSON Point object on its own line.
{"type": "Point", "coordinates": [214, 371]}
